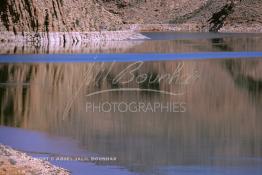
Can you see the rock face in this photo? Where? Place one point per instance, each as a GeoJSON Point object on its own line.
{"type": "Point", "coordinates": [209, 15]}
{"type": "Point", "coordinates": [55, 15]}
{"type": "Point", "coordinates": [151, 11]}
{"type": "Point", "coordinates": [90, 15]}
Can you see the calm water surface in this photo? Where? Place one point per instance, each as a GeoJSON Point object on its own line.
{"type": "Point", "coordinates": [210, 121]}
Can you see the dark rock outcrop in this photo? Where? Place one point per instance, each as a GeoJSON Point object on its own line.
{"type": "Point", "coordinates": [217, 20]}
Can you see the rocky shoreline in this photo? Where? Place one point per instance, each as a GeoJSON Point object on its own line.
{"type": "Point", "coordinates": [129, 32]}
{"type": "Point", "coordinates": [16, 162]}
{"type": "Point", "coordinates": [193, 27]}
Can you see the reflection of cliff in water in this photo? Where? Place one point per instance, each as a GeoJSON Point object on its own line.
{"type": "Point", "coordinates": [237, 43]}
{"type": "Point", "coordinates": [76, 47]}
{"type": "Point", "coordinates": [221, 119]}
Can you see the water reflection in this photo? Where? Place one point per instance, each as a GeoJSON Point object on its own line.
{"type": "Point", "coordinates": [221, 125]}
{"type": "Point", "coordinates": [160, 43]}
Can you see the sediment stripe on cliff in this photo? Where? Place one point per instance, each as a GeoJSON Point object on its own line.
{"type": "Point", "coordinates": [71, 37]}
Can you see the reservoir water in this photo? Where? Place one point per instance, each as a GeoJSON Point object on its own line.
{"type": "Point", "coordinates": [179, 103]}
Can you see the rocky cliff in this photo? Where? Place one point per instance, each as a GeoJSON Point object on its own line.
{"type": "Point", "coordinates": [90, 15]}
{"type": "Point", "coordinates": [55, 15]}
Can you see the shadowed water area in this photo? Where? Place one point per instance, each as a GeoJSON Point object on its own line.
{"type": "Point", "coordinates": [209, 123]}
